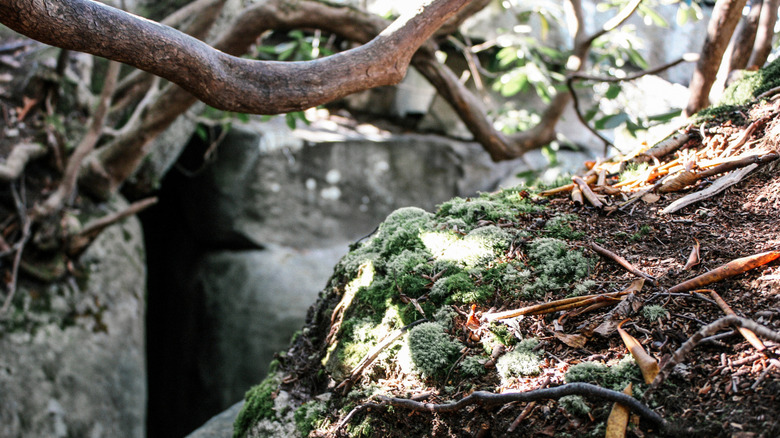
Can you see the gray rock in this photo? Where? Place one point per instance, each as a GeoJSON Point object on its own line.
{"type": "Point", "coordinates": [255, 301]}
{"type": "Point", "coordinates": [219, 426]}
{"type": "Point", "coordinates": [72, 357]}
{"type": "Point", "coordinates": [268, 187]}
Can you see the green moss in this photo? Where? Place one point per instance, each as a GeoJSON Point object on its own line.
{"type": "Point", "coordinates": [555, 266]}
{"type": "Point", "coordinates": [473, 366]}
{"type": "Point", "coordinates": [309, 416]}
{"type": "Point", "coordinates": [258, 405]}
{"type": "Point", "coordinates": [654, 312]}
{"type": "Point", "coordinates": [432, 350]}
{"type": "Point", "coordinates": [502, 205]}
{"type": "Point", "coordinates": [559, 227]}
{"type": "Point", "coordinates": [575, 405]}
{"type": "Point", "coordinates": [501, 334]}
{"type": "Point", "coordinates": [615, 377]}
{"type": "Point", "coordinates": [445, 287]}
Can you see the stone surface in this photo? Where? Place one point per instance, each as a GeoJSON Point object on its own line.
{"type": "Point", "coordinates": [255, 301]}
{"type": "Point", "coordinates": [326, 186]}
{"type": "Point", "coordinates": [220, 426]}
{"type": "Point", "coordinates": [72, 360]}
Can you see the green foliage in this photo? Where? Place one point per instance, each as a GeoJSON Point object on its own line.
{"type": "Point", "coordinates": [473, 366]}
{"type": "Point", "coordinates": [309, 416]}
{"type": "Point", "coordinates": [654, 312]}
{"type": "Point", "coordinates": [446, 287]}
{"type": "Point", "coordinates": [555, 266]}
{"type": "Point", "coordinates": [258, 405]}
{"type": "Point", "coordinates": [502, 334]}
{"type": "Point", "coordinates": [582, 288]}
{"type": "Point", "coordinates": [432, 350]}
{"type": "Point", "coordinates": [575, 405]}
{"type": "Point", "coordinates": [615, 377]}
{"type": "Point", "coordinates": [559, 227]}
{"type": "Point", "coordinates": [522, 361]}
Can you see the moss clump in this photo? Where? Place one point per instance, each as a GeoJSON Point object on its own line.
{"type": "Point", "coordinates": [559, 227]}
{"type": "Point", "coordinates": [258, 405]}
{"type": "Point", "coordinates": [446, 287]}
{"type": "Point", "coordinates": [654, 312]}
{"type": "Point", "coordinates": [432, 350]}
{"type": "Point", "coordinates": [503, 205]}
{"type": "Point", "coordinates": [575, 405]}
{"type": "Point", "coordinates": [522, 361]}
{"type": "Point", "coordinates": [501, 334]}
{"type": "Point", "coordinates": [615, 377]}
{"type": "Point", "coordinates": [309, 416]}
{"type": "Point", "coordinates": [556, 266]}
{"type": "Point", "coordinates": [473, 366]}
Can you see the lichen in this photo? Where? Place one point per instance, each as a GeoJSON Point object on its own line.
{"type": "Point", "coordinates": [520, 362]}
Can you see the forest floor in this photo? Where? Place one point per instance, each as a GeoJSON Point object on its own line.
{"type": "Point", "coordinates": [724, 387]}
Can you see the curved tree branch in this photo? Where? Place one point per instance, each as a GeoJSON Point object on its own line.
{"type": "Point", "coordinates": [221, 80]}
{"type": "Point", "coordinates": [491, 399]}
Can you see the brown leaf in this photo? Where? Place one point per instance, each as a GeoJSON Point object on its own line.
{"type": "Point", "coordinates": [650, 198]}
{"type": "Point", "coordinates": [573, 341]}
{"type": "Point", "coordinates": [618, 418]}
{"type": "Point", "coordinates": [693, 259]}
{"type": "Point", "coordinates": [647, 364]}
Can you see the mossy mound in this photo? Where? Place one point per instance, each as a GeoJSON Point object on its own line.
{"type": "Point", "coordinates": [396, 305]}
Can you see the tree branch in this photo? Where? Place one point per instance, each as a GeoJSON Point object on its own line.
{"type": "Point", "coordinates": [221, 80]}
{"type": "Point", "coordinates": [484, 398]}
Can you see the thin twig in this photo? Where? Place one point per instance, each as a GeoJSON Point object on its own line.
{"type": "Point", "coordinates": [26, 222]}
{"type": "Point", "coordinates": [622, 262]}
{"type": "Point", "coordinates": [704, 332]}
{"type": "Point", "coordinates": [79, 242]}
{"type": "Point", "coordinates": [747, 334]}
{"type": "Point", "coordinates": [527, 410]}
{"type": "Point", "coordinates": [67, 186]}
{"type": "Point", "coordinates": [553, 306]}
{"type": "Point", "coordinates": [488, 399]}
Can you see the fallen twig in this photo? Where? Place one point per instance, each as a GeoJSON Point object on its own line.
{"type": "Point", "coordinates": [729, 269]}
{"type": "Point", "coordinates": [587, 192]}
{"type": "Point", "coordinates": [704, 332]}
{"type": "Point", "coordinates": [487, 399]}
{"type": "Point", "coordinates": [718, 186]}
{"type": "Point", "coordinates": [553, 306]}
{"type": "Point", "coordinates": [374, 353]}
{"type": "Point", "coordinates": [622, 262]}
{"type": "Point", "coordinates": [747, 334]}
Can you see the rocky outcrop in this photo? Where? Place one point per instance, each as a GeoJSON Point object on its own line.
{"type": "Point", "coordinates": [72, 359]}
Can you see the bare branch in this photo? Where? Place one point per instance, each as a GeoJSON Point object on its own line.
{"type": "Point", "coordinates": [67, 186]}
{"type": "Point", "coordinates": [483, 398]}
{"type": "Point", "coordinates": [221, 80]}
{"type": "Point", "coordinates": [26, 223]}
{"type": "Point", "coordinates": [20, 155]}
{"type": "Point", "coordinates": [706, 331]}
{"type": "Point", "coordinates": [81, 240]}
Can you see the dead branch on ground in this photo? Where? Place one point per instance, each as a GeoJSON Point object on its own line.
{"type": "Point", "coordinates": [706, 331]}
{"type": "Point", "coordinates": [622, 262]}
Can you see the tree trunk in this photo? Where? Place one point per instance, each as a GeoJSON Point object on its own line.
{"type": "Point", "coordinates": [745, 37]}
{"type": "Point", "coordinates": [766, 31]}
{"type": "Point", "coordinates": [724, 19]}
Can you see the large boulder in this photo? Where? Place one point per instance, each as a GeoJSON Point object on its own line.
{"type": "Point", "coordinates": [72, 359]}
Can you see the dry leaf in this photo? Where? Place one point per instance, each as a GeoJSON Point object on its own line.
{"type": "Point", "coordinates": [573, 341]}
{"type": "Point", "coordinates": [618, 418]}
{"type": "Point", "coordinates": [647, 364]}
{"type": "Point", "coordinates": [630, 305]}
{"type": "Point", "coordinates": [650, 198]}
{"type": "Point", "coordinates": [693, 259]}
